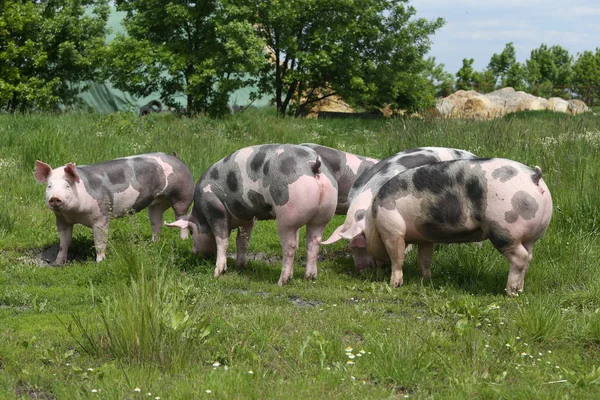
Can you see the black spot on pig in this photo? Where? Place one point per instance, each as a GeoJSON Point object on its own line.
{"type": "Point", "coordinates": [360, 214]}
{"type": "Point", "coordinates": [499, 236]}
{"type": "Point", "coordinates": [301, 153]}
{"type": "Point", "coordinates": [433, 178]}
{"type": "Point", "coordinates": [393, 189]}
{"type": "Point", "coordinates": [447, 210]}
{"type": "Point", "coordinates": [280, 194]}
{"type": "Point", "coordinates": [416, 160]}
{"type": "Point", "coordinates": [412, 150]}
{"type": "Point", "coordinates": [262, 210]}
{"type": "Point", "coordinates": [116, 176]}
{"type": "Point", "coordinates": [524, 206]}
{"type": "Point", "coordinates": [258, 160]}
{"type": "Point", "coordinates": [266, 166]}
{"type": "Point", "coordinates": [232, 181]}
{"type": "Point", "coordinates": [476, 193]}
{"type": "Point", "coordinates": [504, 173]}
{"type": "Point", "coordinates": [287, 166]}
{"type": "Point", "coordinates": [214, 173]}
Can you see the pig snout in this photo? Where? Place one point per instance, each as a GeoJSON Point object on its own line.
{"type": "Point", "coordinates": [55, 202]}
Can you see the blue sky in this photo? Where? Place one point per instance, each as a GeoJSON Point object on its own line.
{"type": "Point", "coordinates": [479, 28]}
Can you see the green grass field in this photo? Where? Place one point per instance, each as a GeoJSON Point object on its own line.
{"type": "Point", "coordinates": [151, 322]}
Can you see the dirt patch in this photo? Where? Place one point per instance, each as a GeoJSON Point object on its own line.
{"type": "Point", "coordinates": [23, 389]}
{"type": "Point", "coordinates": [46, 257]}
{"type": "Point", "coordinates": [298, 301]}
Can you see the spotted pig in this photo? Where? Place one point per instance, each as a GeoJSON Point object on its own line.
{"type": "Point", "coordinates": [93, 194]}
{"type": "Point", "coordinates": [285, 182]}
{"type": "Point", "coordinates": [368, 183]}
{"type": "Point", "coordinates": [346, 168]}
{"type": "Point", "coordinates": [460, 201]}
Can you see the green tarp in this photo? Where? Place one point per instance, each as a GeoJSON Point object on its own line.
{"type": "Point", "coordinates": [104, 98]}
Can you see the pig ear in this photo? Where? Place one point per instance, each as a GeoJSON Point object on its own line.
{"type": "Point", "coordinates": [71, 172]}
{"type": "Point", "coordinates": [355, 229]}
{"type": "Point", "coordinates": [183, 224]}
{"type": "Point", "coordinates": [42, 171]}
{"type": "Point", "coordinates": [335, 236]}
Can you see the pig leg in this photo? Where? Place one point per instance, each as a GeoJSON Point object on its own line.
{"type": "Point", "coordinates": [314, 234]}
{"type": "Point", "coordinates": [519, 260]}
{"type": "Point", "coordinates": [529, 247]}
{"type": "Point", "coordinates": [395, 247]}
{"type": "Point", "coordinates": [425, 258]}
{"type": "Point", "coordinates": [289, 243]}
{"type": "Point", "coordinates": [100, 230]}
{"type": "Point", "coordinates": [241, 243]}
{"type": "Point", "coordinates": [222, 244]}
{"type": "Point", "coordinates": [155, 213]}
{"type": "Point", "coordinates": [65, 231]}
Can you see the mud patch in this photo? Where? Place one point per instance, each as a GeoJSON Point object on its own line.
{"type": "Point", "coordinates": [23, 389]}
{"type": "Point", "coordinates": [298, 301]}
{"type": "Point", "coordinates": [44, 257]}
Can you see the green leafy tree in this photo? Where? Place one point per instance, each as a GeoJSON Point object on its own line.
{"type": "Point", "coordinates": [505, 68]}
{"type": "Point", "coordinates": [438, 78]}
{"type": "Point", "coordinates": [366, 51]}
{"type": "Point", "coordinates": [549, 67]}
{"type": "Point", "coordinates": [47, 49]}
{"type": "Point", "coordinates": [201, 50]}
{"type": "Point", "coordinates": [586, 76]}
{"type": "Point", "coordinates": [465, 76]}
{"type": "Point", "coordinates": [469, 79]}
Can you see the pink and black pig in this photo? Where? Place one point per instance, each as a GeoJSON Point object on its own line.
{"type": "Point", "coordinates": [285, 182]}
{"type": "Point", "coordinates": [460, 201]}
{"type": "Point", "coordinates": [368, 184]}
{"type": "Point", "coordinates": [346, 168]}
{"type": "Point", "coordinates": [93, 194]}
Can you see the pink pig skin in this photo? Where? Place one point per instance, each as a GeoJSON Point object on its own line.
{"type": "Point", "coordinates": [366, 186]}
{"type": "Point", "coordinates": [460, 201]}
{"type": "Point", "coordinates": [285, 182]}
{"type": "Point", "coordinates": [91, 195]}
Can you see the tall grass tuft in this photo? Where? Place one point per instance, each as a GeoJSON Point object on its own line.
{"type": "Point", "coordinates": [155, 320]}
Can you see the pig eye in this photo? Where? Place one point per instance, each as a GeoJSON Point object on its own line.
{"type": "Point", "coordinates": [67, 185]}
{"type": "Point", "coordinates": [49, 185]}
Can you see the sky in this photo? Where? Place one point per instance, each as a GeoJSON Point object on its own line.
{"type": "Point", "coordinates": [479, 28]}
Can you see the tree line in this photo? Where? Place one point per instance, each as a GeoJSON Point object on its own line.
{"type": "Point", "coordinates": [550, 71]}
{"type": "Point", "coordinates": [371, 53]}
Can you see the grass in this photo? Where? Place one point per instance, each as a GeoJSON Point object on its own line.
{"type": "Point", "coordinates": [151, 317]}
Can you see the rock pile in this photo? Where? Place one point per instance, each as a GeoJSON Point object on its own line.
{"type": "Point", "coordinates": [474, 105]}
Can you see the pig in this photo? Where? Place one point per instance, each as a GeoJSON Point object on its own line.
{"type": "Point", "coordinates": [93, 194]}
{"type": "Point", "coordinates": [285, 182]}
{"type": "Point", "coordinates": [369, 182]}
{"type": "Point", "coordinates": [460, 201]}
{"type": "Point", "coordinates": [346, 168]}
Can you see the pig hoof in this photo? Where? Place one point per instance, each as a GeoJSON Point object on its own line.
{"type": "Point", "coordinates": [310, 276]}
{"type": "Point", "coordinates": [398, 283]}
{"type": "Point", "coordinates": [283, 280]}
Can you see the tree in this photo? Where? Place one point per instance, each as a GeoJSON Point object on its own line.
{"type": "Point", "coordinates": [549, 67]}
{"type": "Point", "coordinates": [505, 68]}
{"type": "Point", "coordinates": [47, 49]}
{"type": "Point", "coordinates": [465, 75]}
{"type": "Point", "coordinates": [469, 79]}
{"type": "Point", "coordinates": [204, 50]}
{"type": "Point", "coordinates": [367, 51]}
{"type": "Point", "coordinates": [440, 80]}
{"type": "Point", "coordinates": [586, 76]}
